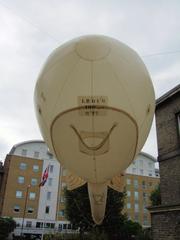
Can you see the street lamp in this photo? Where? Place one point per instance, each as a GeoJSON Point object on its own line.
{"type": "Point", "coordinates": [25, 204]}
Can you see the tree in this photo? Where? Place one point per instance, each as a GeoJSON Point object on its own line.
{"type": "Point", "coordinates": [155, 196]}
{"type": "Point", "coordinates": [77, 208]}
{"type": "Point", "coordinates": [115, 223]}
{"type": "Point", "coordinates": [7, 225]}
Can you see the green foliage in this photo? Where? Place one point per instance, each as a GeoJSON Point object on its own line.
{"type": "Point", "coordinates": [77, 208]}
{"type": "Point", "coordinates": [131, 228]}
{"type": "Point", "coordinates": [7, 225]}
{"type": "Point", "coordinates": [96, 234]}
{"type": "Point", "coordinates": [155, 196]}
{"type": "Point", "coordinates": [145, 234]}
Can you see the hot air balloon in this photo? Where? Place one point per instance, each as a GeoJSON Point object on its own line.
{"type": "Point", "coordinates": [94, 103]}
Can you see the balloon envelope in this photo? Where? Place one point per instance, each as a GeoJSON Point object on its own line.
{"type": "Point", "coordinates": [94, 102]}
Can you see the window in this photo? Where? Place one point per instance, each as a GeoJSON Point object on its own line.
{"type": "Point", "coordinates": [135, 183]}
{"type": "Point", "coordinates": [136, 217]}
{"type": "Point", "coordinates": [150, 165]}
{"type": "Point", "coordinates": [29, 224]}
{"type": "Point", "coordinates": [178, 122]}
{"type": "Point", "coordinates": [52, 225]}
{"type": "Point", "coordinates": [136, 196]}
{"type": "Point", "coordinates": [150, 184]}
{"type": "Point", "coordinates": [48, 195]}
{"type": "Point", "coordinates": [24, 152]}
{"type": "Point", "coordinates": [150, 173]}
{"type": "Point", "coordinates": [128, 181]}
{"type": "Point", "coordinates": [16, 208]}
{"type": "Point", "coordinates": [30, 210]}
{"type": "Point", "coordinates": [18, 194]}
{"type": "Point", "coordinates": [23, 166]}
{"type": "Point", "coordinates": [128, 205]}
{"type": "Point", "coordinates": [128, 193]}
{"type": "Point", "coordinates": [136, 207]}
{"type": "Point", "coordinates": [145, 219]}
{"type": "Point", "coordinates": [143, 185]}
{"type": "Point", "coordinates": [36, 154]}
{"type": "Point", "coordinates": [145, 209]}
{"type": "Point", "coordinates": [141, 163]}
{"type": "Point", "coordinates": [50, 181]}
{"type": "Point", "coordinates": [145, 197]}
{"type": "Point", "coordinates": [51, 167]}
{"type": "Point", "coordinates": [134, 170]}
{"type": "Point", "coordinates": [20, 179]}
{"type": "Point", "coordinates": [33, 181]}
{"type": "Point", "coordinates": [62, 199]}
{"type": "Point", "coordinates": [35, 168]}
{"type": "Point", "coordinates": [47, 225]}
{"type": "Point", "coordinates": [65, 226]}
{"type": "Point", "coordinates": [61, 213]}
{"type": "Point", "coordinates": [39, 225]}
{"type": "Point", "coordinates": [60, 227]}
{"type": "Point", "coordinates": [141, 172]}
{"type": "Point", "coordinates": [32, 195]}
{"type": "Point", "coordinates": [47, 209]}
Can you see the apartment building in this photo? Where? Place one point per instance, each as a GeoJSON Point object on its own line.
{"type": "Point", "coordinates": [33, 206]}
{"type": "Point", "coordinates": [41, 209]}
{"type": "Point", "coordinates": [141, 179]}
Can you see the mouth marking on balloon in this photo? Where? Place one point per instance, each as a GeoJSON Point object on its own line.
{"type": "Point", "coordinates": [100, 145]}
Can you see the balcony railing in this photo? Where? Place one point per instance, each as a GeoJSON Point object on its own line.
{"type": "Point", "coordinates": [35, 230]}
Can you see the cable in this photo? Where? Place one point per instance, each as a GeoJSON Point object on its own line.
{"type": "Point", "coordinates": [29, 21]}
{"type": "Point", "coordinates": [161, 53]}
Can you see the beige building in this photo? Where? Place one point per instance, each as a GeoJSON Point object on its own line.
{"type": "Point", "coordinates": [41, 209]}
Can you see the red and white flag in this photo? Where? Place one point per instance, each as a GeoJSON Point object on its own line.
{"type": "Point", "coordinates": [44, 177]}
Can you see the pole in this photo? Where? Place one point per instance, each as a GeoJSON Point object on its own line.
{"type": "Point", "coordinates": [59, 195]}
{"type": "Point", "coordinates": [24, 212]}
{"type": "Point", "coordinates": [45, 192]}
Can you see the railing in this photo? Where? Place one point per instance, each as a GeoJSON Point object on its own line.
{"type": "Point", "coordinates": [42, 230]}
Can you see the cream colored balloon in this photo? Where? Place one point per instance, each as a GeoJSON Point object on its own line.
{"type": "Point", "coordinates": [94, 103]}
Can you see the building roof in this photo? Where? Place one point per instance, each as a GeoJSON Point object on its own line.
{"type": "Point", "coordinates": [168, 95]}
{"type": "Point", "coordinates": [148, 156]}
{"type": "Point", "coordinates": [22, 143]}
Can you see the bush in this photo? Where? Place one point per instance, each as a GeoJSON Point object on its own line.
{"type": "Point", "coordinates": [145, 235]}
{"type": "Point", "coordinates": [7, 225]}
{"type": "Point", "coordinates": [155, 196]}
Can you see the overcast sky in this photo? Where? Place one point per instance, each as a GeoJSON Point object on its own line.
{"type": "Point", "coordinates": [30, 30]}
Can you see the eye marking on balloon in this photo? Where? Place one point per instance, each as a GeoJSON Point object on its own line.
{"type": "Point", "coordinates": [43, 96]}
{"type": "Point", "coordinates": [39, 110]}
{"type": "Point", "coordinates": [100, 145]}
{"type": "Point", "coordinates": [148, 108]}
